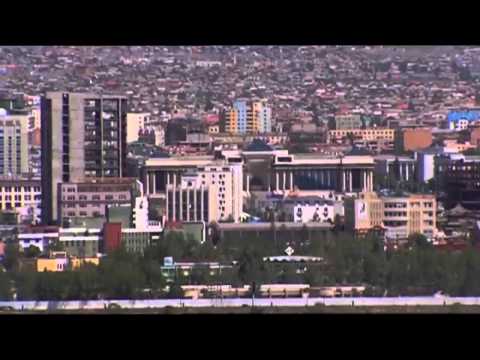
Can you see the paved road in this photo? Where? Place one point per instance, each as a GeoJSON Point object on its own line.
{"type": "Point", "coordinates": [237, 302]}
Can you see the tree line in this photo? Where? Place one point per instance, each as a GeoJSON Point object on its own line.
{"type": "Point", "coordinates": [416, 269]}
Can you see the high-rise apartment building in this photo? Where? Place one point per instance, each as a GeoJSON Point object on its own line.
{"type": "Point", "coordinates": [13, 145]}
{"type": "Point", "coordinates": [248, 117]}
{"type": "Point", "coordinates": [83, 136]}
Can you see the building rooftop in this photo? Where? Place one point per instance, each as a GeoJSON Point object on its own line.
{"type": "Point", "coordinates": [258, 145]}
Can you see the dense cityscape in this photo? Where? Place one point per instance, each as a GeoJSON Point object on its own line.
{"type": "Point", "coordinates": [249, 173]}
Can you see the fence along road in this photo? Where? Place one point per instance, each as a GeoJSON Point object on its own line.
{"type": "Point", "coordinates": [238, 302]}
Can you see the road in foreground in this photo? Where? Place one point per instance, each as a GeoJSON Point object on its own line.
{"type": "Point", "coordinates": [449, 309]}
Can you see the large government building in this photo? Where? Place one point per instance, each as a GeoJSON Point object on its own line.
{"type": "Point", "coordinates": [258, 167]}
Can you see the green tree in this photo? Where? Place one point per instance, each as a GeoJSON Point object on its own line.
{"type": "Point", "coordinates": [12, 257]}
{"type": "Point", "coordinates": [215, 234]}
{"type": "Point", "coordinates": [175, 292]}
{"type": "Point", "coordinates": [121, 275]}
{"type": "Point", "coordinates": [304, 234]}
{"type": "Point", "coordinates": [25, 283]}
{"type": "Point", "coordinates": [249, 266]}
{"type": "Point", "coordinates": [86, 284]}
{"type": "Point", "coordinates": [32, 252]}
{"type": "Point", "coordinates": [419, 240]}
{"type": "Point", "coordinates": [5, 287]}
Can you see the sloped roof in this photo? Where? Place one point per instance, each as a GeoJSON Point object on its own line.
{"type": "Point", "coordinates": [356, 151]}
{"type": "Point", "coordinates": [258, 145]}
{"type": "Point", "coordinates": [458, 210]}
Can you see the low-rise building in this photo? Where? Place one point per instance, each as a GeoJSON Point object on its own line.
{"type": "Point", "coordinates": [22, 196]}
{"type": "Point", "coordinates": [56, 262]}
{"type": "Point", "coordinates": [371, 134]}
{"type": "Point", "coordinates": [413, 139]}
{"type": "Point", "coordinates": [309, 209]}
{"type": "Point", "coordinates": [348, 122]}
{"type": "Point", "coordinates": [90, 199]}
{"type": "Point", "coordinates": [80, 242]}
{"type": "Point", "coordinates": [454, 146]}
{"type": "Point", "coordinates": [400, 216]}
{"type": "Point", "coordinates": [40, 237]}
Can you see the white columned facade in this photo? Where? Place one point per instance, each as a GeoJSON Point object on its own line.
{"type": "Point", "coordinates": [202, 204]}
{"type": "Point", "coordinates": [195, 215]}
{"type": "Point", "coordinates": [147, 184]}
{"type": "Point", "coordinates": [174, 201]}
{"type": "Point", "coordinates": [248, 183]}
{"type": "Point", "coordinates": [344, 180]}
{"type": "Point", "coordinates": [277, 183]}
{"type": "Point", "coordinates": [364, 184]}
{"type": "Point", "coordinates": [406, 172]}
{"type": "Point", "coordinates": [166, 203]}
{"type": "Point", "coordinates": [291, 180]}
{"type": "Point", "coordinates": [350, 175]}
{"type": "Point", "coordinates": [188, 205]}
{"type": "Point", "coordinates": [180, 206]}
{"type": "Point", "coordinates": [154, 187]}
{"type": "Point", "coordinates": [284, 185]}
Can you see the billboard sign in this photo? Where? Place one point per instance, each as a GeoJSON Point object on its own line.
{"type": "Point", "coordinates": [361, 210]}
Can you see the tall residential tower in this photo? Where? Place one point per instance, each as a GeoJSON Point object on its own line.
{"type": "Point", "coordinates": [13, 145]}
{"type": "Point", "coordinates": [252, 117]}
{"type": "Point", "coordinates": [83, 136]}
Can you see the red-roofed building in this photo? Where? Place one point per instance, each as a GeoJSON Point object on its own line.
{"type": "Point", "coordinates": [112, 236]}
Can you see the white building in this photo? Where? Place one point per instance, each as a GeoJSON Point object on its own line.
{"type": "Point", "coordinates": [135, 123]}
{"type": "Point", "coordinates": [208, 193]}
{"type": "Point", "coordinates": [310, 209]}
{"type": "Point", "coordinates": [140, 216]}
{"type": "Point", "coordinates": [40, 240]}
{"type": "Point", "coordinates": [425, 165]}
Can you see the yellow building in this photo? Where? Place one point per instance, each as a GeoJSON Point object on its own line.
{"type": "Point", "coordinates": [57, 261]}
{"type": "Point", "coordinates": [373, 134]}
{"type": "Point", "coordinates": [77, 262]}
{"type": "Point", "coordinates": [231, 121]}
{"type": "Point", "coordinates": [17, 193]}
{"type": "Point", "coordinates": [400, 216]}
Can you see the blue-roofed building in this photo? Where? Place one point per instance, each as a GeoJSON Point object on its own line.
{"type": "Point", "coordinates": [459, 119]}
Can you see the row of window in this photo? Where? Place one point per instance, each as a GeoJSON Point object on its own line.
{"type": "Point", "coordinates": [20, 188]}
{"type": "Point", "coordinates": [18, 198]}
{"type": "Point", "coordinates": [75, 243]}
{"type": "Point", "coordinates": [94, 197]}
